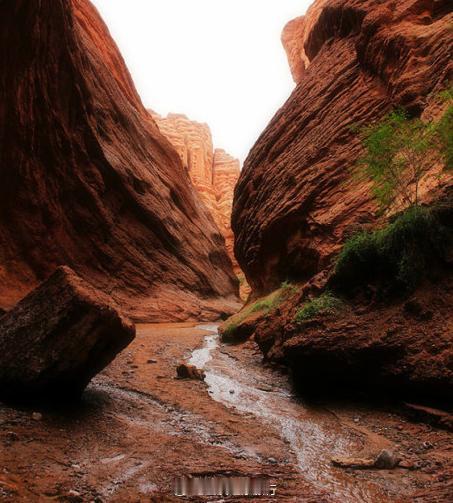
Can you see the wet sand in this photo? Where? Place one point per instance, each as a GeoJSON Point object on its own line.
{"type": "Point", "coordinates": [138, 428]}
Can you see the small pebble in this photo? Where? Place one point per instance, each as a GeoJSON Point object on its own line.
{"type": "Point", "coordinates": [36, 416]}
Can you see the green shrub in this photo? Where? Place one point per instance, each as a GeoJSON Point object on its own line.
{"type": "Point", "coordinates": [288, 288]}
{"type": "Point", "coordinates": [398, 254]}
{"type": "Point", "coordinates": [325, 304]}
{"type": "Point", "coordinates": [264, 305]}
{"type": "Point", "coordinates": [400, 150]}
{"type": "Point", "coordinates": [444, 129]}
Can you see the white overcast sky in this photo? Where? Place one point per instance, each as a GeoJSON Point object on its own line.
{"type": "Point", "coordinates": [216, 61]}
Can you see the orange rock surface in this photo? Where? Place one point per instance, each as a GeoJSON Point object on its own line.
{"type": "Point", "coordinates": [353, 61]}
{"type": "Point", "coordinates": [88, 180]}
{"type": "Point", "coordinates": [214, 173]}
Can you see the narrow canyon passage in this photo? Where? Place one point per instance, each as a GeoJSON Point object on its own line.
{"type": "Point", "coordinates": [174, 294]}
{"type": "Point", "coordinates": [139, 428]}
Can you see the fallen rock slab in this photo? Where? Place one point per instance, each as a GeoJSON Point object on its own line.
{"type": "Point", "coordinates": [185, 371]}
{"type": "Point", "coordinates": [385, 460]}
{"type": "Point", "coordinates": [58, 338]}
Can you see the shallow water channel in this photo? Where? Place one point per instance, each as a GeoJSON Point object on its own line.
{"type": "Point", "coordinates": [314, 437]}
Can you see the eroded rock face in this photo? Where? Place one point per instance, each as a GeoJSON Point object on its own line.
{"type": "Point", "coordinates": [353, 60]}
{"type": "Point", "coordinates": [58, 338]}
{"type": "Point", "coordinates": [226, 171]}
{"type": "Point", "coordinates": [214, 173]}
{"type": "Point", "coordinates": [88, 180]}
{"type": "Point", "coordinates": [387, 348]}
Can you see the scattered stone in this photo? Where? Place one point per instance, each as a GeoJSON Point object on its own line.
{"type": "Point", "coordinates": [58, 338]}
{"type": "Point", "coordinates": [436, 417]}
{"type": "Point", "coordinates": [185, 371]}
{"type": "Point", "coordinates": [408, 464]}
{"type": "Point", "coordinates": [36, 416]}
{"type": "Point", "coordinates": [151, 361]}
{"type": "Point", "coordinates": [231, 391]}
{"type": "Point", "coordinates": [385, 460]}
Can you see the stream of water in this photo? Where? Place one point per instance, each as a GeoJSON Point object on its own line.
{"type": "Point", "coordinates": [314, 437]}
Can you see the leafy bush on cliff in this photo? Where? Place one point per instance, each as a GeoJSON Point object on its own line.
{"type": "Point", "coordinates": [444, 130]}
{"type": "Point", "coordinates": [399, 255]}
{"type": "Point", "coordinates": [325, 304]}
{"type": "Point", "coordinates": [400, 150]}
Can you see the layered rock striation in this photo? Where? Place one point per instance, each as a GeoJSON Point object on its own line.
{"type": "Point", "coordinates": [297, 202]}
{"type": "Point", "coordinates": [214, 173]}
{"type": "Point", "coordinates": [353, 61]}
{"type": "Point", "coordinates": [87, 178]}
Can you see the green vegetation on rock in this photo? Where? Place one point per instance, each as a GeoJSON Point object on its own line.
{"type": "Point", "coordinates": [264, 306]}
{"type": "Point", "coordinates": [400, 150]}
{"type": "Point", "coordinates": [325, 304]}
{"type": "Point", "coordinates": [400, 253]}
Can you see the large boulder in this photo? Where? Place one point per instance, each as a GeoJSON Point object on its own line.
{"type": "Point", "coordinates": [58, 338]}
{"type": "Point", "coordinates": [401, 348]}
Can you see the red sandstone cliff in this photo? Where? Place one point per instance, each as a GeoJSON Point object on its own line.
{"type": "Point", "coordinates": [214, 173]}
{"type": "Point", "coordinates": [297, 202]}
{"type": "Point", "coordinates": [353, 60]}
{"type": "Point", "coordinates": [88, 180]}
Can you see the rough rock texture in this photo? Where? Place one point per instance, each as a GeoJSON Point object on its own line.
{"type": "Point", "coordinates": [214, 173]}
{"type": "Point", "coordinates": [353, 60]}
{"type": "Point", "coordinates": [193, 142]}
{"type": "Point", "coordinates": [88, 180]}
{"type": "Point", "coordinates": [297, 201]}
{"type": "Point", "coordinates": [58, 338]}
{"type": "Point", "coordinates": [185, 371]}
{"type": "Point", "coordinates": [385, 348]}
{"type": "Point", "coordinates": [226, 171]}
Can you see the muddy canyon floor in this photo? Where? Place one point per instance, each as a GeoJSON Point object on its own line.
{"type": "Point", "coordinates": [138, 428]}
{"type": "Point", "coordinates": [168, 301]}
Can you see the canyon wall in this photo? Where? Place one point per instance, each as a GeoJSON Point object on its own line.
{"type": "Point", "coordinates": [214, 173]}
{"type": "Point", "coordinates": [87, 178]}
{"type": "Point", "coordinates": [353, 61]}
